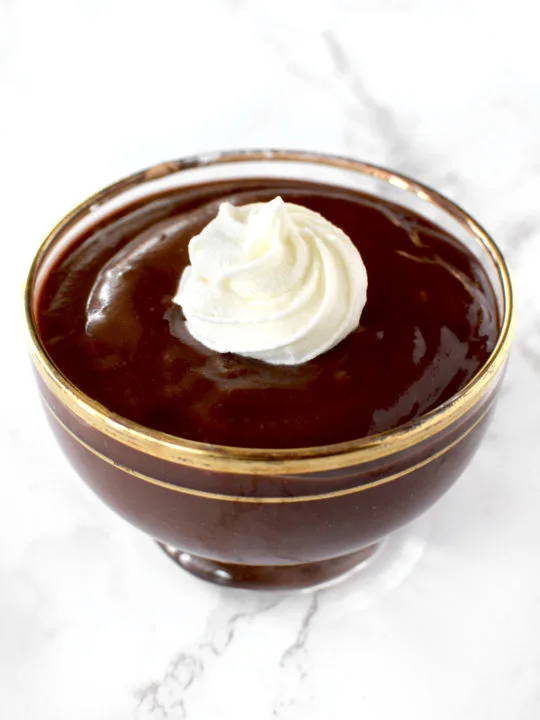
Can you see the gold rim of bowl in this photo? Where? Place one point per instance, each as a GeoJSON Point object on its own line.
{"type": "Point", "coordinates": [263, 460]}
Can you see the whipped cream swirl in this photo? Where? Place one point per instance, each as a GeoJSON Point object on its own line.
{"type": "Point", "coordinates": [273, 281]}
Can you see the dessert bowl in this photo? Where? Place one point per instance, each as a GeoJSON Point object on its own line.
{"type": "Point", "coordinates": [269, 518]}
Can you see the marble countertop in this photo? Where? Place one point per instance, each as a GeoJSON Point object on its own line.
{"type": "Point", "coordinates": [95, 622]}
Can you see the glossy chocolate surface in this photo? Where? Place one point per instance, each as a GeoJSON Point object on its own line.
{"type": "Point", "coordinates": [105, 317]}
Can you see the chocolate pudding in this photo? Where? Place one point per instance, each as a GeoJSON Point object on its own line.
{"type": "Point", "coordinates": [107, 320]}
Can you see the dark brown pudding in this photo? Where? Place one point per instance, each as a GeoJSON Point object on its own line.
{"type": "Point", "coordinates": [429, 324]}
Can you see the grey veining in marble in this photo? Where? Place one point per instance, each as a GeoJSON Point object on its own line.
{"type": "Point", "coordinates": [95, 622]}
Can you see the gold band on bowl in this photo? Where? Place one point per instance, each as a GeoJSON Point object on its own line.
{"type": "Point", "coordinates": [278, 500]}
{"type": "Point", "coordinates": [271, 461]}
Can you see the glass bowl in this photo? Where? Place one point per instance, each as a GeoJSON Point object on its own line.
{"type": "Point", "coordinates": [261, 518]}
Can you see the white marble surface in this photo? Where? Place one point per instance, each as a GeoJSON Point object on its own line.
{"type": "Point", "coordinates": [94, 621]}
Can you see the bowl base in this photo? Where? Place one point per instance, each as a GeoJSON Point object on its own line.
{"type": "Point", "coordinates": [271, 577]}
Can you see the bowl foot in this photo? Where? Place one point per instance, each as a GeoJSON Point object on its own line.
{"type": "Point", "coordinates": [271, 577]}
